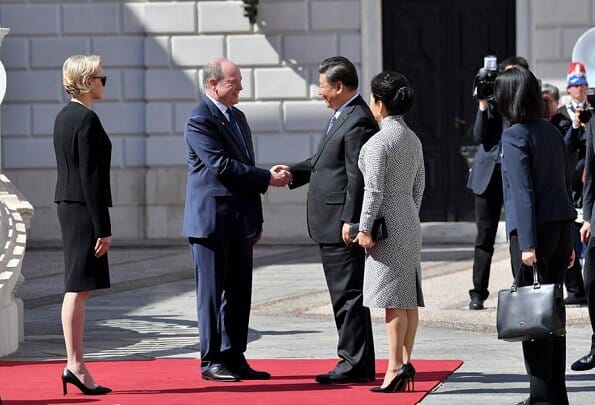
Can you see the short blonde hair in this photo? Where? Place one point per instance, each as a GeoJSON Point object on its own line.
{"type": "Point", "coordinates": [76, 72]}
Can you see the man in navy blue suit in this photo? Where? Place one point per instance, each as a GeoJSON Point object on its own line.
{"type": "Point", "coordinates": [223, 220]}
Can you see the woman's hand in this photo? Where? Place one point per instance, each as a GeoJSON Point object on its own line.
{"type": "Point", "coordinates": [102, 246]}
{"type": "Point", "coordinates": [528, 257]}
{"type": "Point", "coordinates": [364, 239]}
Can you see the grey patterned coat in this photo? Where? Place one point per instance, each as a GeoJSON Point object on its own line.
{"type": "Point", "coordinates": [393, 168]}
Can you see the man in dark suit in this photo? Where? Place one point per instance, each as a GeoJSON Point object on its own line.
{"type": "Point", "coordinates": [568, 122]}
{"type": "Point", "coordinates": [334, 201]}
{"type": "Point", "coordinates": [223, 220]}
{"type": "Point", "coordinates": [485, 181]}
{"type": "Point", "coordinates": [587, 362]}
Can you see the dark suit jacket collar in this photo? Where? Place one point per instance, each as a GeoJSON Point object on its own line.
{"type": "Point", "coordinates": [358, 101]}
{"type": "Point", "coordinates": [227, 131]}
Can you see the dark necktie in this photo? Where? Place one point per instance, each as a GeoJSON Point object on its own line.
{"type": "Point", "coordinates": [236, 131]}
{"type": "Point", "coordinates": [331, 123]}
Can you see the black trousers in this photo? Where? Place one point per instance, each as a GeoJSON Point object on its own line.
{"type": "Point", "coordinates": [223, 276]}
{"type": "Point", "coordinates": [344, 272]}
{"type": "Point", "coordinates": [488, 207]}
{"type": "Point", "coordinates": [590, 286]}
{"type": "Point", "coordinates": [575, 286]}
{"type": "Point", "coordinates": [545, 359]}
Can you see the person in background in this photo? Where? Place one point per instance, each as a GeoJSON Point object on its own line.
{"type": "Point", "coordinates": [573, 280]}
{"type": "Point", "coordinates": [539, 215]}
{"type": "Point", "coordinates": [83, 194]}
{"type": "Point", "coordinates": [392, 164]}
{"type": "Point", "coordinates": [486, 183]}
{"type": "Point", "coordinates": [587, 362]}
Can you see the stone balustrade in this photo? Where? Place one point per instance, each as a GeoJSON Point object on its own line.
{"type": "Point", "coordinates": [15, 216]}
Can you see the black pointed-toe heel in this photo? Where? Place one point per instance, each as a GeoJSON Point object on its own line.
{"type": "Point", "coordinates": [410, 373]}
{"type": "Point", "coordinates": [69, 378]}
{"type": "Point", "coordinates": [398, 383]}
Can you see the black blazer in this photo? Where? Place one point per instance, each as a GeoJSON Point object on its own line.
{"type": "Point", "coordinates": [536, 190]}
{"type": "Point", "coordinates": [589, 188]}
{"type": "Point", "coordinates": [487, 131]}
{"type": "Point", "coordinates": [336, 184]}
{"type": "Point", "coordinates": [83, 155]}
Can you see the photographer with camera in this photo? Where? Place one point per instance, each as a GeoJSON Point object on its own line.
{"type": "Point", "coordinates": [572, 120]}
{"type": "Point", "coordinates": [484, 177]}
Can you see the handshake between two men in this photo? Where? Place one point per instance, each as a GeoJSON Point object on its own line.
{"type": "Point", "coordinates": [280, 176]}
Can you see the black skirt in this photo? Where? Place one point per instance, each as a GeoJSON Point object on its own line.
{"type": "Point", "coordinates": [83, 271]}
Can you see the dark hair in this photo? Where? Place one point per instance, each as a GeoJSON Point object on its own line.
{"type": "Point", "coordinates": [514, 61]}
{"type": "Point", "coordinates": [518, 95]}
{"type": "Point", "coordinates": [394, 91]}
{"type": "Point", "coordinates": [551, 89]}
{"type": "Point", "coordinates": [339, 69]}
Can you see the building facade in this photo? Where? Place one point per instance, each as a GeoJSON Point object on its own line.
{"type": "Point", "coordinates": [153, 52]}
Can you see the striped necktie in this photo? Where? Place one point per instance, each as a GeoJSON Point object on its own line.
{"type": "Point", "coordinates": [236, 131]}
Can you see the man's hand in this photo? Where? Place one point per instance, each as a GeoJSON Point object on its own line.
{"type": "Point", "coordinates": [345, 234]}
{"type": "Point", "coordinates": [365, 240]}
{"type": "Point", "coordinates": [576, 123]}
{"type": "Point", "coordinates": [528, 257]}
{"type": "Point", "coordinates": [585, 232]}
{"type": "Point", "coordinates": [102, 246]}
{"type": "Point", "coordinates": [280, 176]}
{"type": "Point", "coordinates": [571, 259]}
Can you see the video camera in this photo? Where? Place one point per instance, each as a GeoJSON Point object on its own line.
{"type": "Point", "coordinates": [486, 78]}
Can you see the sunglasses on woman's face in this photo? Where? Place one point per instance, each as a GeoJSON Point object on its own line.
{"type": "Point", "coordinates": [102, 78]}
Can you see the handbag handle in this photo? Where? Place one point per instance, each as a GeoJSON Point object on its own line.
{"type": "Point", "coordinates": [536, 283]}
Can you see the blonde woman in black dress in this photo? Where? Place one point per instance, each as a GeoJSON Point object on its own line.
{"type": "Point", "coordinates": [83, 195]}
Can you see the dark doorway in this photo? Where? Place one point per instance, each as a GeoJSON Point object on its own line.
{"type": "Point", "coordinates": [439, 45]}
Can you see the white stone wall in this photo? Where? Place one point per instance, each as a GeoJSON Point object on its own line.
{"type": "Point", "coordinates": [547, 31]}
{"type": "Point", "coordinates": [152, 54]}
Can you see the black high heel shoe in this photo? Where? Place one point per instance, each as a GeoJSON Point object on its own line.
{"type": "Point", "coordinates": [69, 378]}
{"type": "Point", "coordinates": [404, 380]}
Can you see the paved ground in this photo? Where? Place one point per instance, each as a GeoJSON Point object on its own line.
{"type": "Point", "coordinates": [150, 312]}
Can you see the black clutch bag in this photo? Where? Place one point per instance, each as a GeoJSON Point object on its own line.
{"type": "Point", "coordinates": [530, 312]}
{"type": "Point", "coordinates": [378, 230]}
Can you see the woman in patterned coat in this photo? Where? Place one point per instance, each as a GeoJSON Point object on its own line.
{"type": "Point", "coordinates": [394, 177]}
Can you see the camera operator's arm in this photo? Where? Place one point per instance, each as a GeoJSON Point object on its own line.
{"type": "Point", "coordinates": [487, 128]}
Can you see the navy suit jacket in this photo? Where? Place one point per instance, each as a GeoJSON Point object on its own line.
{"type": "Point", "coordinates": [487, 130]}
{"type": "Point", "coordinates": [536, 190]}
{"type": "Point", "coordinates": [223, 187]}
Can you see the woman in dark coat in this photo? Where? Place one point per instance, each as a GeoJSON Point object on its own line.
{"type": "Point", "coordinates": [539, 215]}
{"type": "Point", "coordinates": [83, 195]}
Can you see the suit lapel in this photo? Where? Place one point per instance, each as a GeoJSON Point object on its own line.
{"type": "Point", "coordinates": [226, 131]}
{"type": "Point", "coordinates": [340, 121]}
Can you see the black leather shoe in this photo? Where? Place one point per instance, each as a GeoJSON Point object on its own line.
{"type": "Point", "coordinates": [575, 300]}
{"type": "Point", "coordinates": [336, 378]}
{"type": "Point", "coordinates": [584, 363]}
{"type": "Point", "coordinates": [476, 303]}
{"type": "Point", "coordinates": [245, 372]}
{"type": "Point", "coordinates": [218, 372]}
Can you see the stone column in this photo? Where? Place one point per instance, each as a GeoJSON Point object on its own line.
{"type": "Point", "coordinates": [3, 32]}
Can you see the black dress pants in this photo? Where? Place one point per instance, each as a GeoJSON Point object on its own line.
{"type": "Point", "coordinates": [545, 359]}
{"type": "Point", "coordinates": [344, 272]}
{"type": "Point", "coordinates": [590, 286]}
{"type": "Point", "coordinates": [575, 286]}
{"type": "Point", "coordinates": [488, 207]}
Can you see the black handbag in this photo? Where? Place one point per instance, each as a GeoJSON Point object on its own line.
{"type": "Point", "coordinates": [532, 312]}
{"type": "Point", "coordinates": [378, 230]}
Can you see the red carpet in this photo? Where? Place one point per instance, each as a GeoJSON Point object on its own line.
{"type": "Point", "coordinates": [177, 381]}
